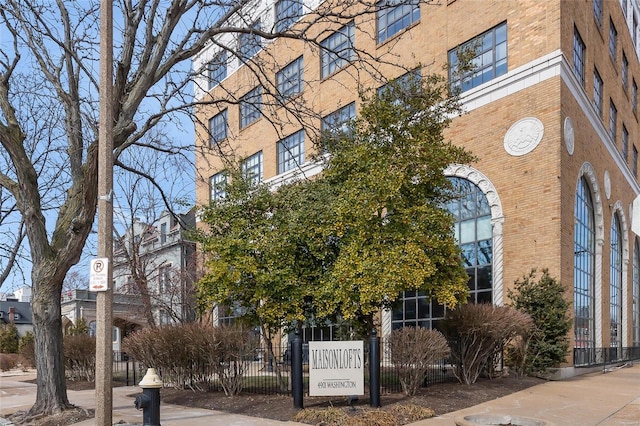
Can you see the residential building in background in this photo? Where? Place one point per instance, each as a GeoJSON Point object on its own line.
{"type": "Point", "coordinates": [550, 111]}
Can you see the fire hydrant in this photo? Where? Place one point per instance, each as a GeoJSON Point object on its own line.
{"type": "Point", "coordinates": [149, 400]}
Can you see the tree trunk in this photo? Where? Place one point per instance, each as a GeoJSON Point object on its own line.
{"type": "Point", "coordinates": [51, 396]}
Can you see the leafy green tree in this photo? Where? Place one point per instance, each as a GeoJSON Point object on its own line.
{"type": "Point", "coordinates": [543, 299]}
{"type": "Point", "coordinates": [9, 339]}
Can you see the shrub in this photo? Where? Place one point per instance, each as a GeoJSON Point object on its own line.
{"type": "Point", "coordinates": [26, 349]}
{"type": "Point", "coordinates": [9, 339]}
{"type": "Point", "coordinates": [231, 351]}
{"type": "Point", "coordinates": [543, 299]}
{"type": "Point", "coordinates": [413, 352]}
{"type": "Point", "coordinates": [477, 334]}
{"type": "Point", "coordinates": [7, 361]}
{"type": "Point", "coordinates": [80, 327]}
{"type": "Point", "coordinates": [80, 357]}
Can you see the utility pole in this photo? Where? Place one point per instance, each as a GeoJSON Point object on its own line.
{"type": "Point", "coordinates": [104, 312]}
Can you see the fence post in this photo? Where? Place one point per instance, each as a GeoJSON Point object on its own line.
{"type": "Point", "coordinates": [374, 369]}
{"type": "Point", "coordinates": [296, 371]}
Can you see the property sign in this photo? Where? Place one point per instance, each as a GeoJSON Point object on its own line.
{"type": "Point", "coordinates": [336, 368]}
{"type": "Point", "coordinates": [99, 275]}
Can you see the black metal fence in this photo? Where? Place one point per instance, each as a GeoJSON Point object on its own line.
{"type": "Point", "coordinates": [592, 357]}
{"type": "Point", "coordinates": [269, 372]}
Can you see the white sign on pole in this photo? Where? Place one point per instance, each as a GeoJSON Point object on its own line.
{"type": "Point", "coordinates": [98, 275]}
{"type": "Point", "coordinates": [336, 368]}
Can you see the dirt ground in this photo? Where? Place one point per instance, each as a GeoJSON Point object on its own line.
{"type": "Point", "coordinates": [441, 398]}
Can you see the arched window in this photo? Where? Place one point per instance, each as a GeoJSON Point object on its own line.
{"type": "Point", "coordinates": [615, 286]}
{"type": "Point", "coordinates": [636, 294]}
{"type": "Point", "coordinates": [474, 234]}
{"type": "Point", "coordinates": [583, 272]}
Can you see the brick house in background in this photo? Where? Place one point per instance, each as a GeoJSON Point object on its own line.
{"type": "Point", "coordinates": [551, 112]}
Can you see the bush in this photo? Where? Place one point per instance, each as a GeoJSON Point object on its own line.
{"type": "Point", "coordinates": [80, 357]}
{"type": "Point", "coordinates": [543, 299]}
{"type": "Point", "coordinates": [26, 349]}
{"type": "Point", "coordinates": [9, 339]}
{"type": "Point", "coordinates": [477, 335]}
{"type": "Point", "coordinates": [187, 355]}
{"type": "Point", "coordinates": [413, 352]}
{"type": "Point", "coordinates": [79, 328]}
{"type": "Point", "coordinates": [8, 362]}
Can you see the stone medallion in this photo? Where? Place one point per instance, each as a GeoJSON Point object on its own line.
{"type": "Point", "coordinates": [568, 135]}
{"type": "Point", "coordinates": [523, 136]}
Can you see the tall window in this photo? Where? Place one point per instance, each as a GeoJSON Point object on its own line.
{"type": "Point", "coordinates": [336, 122]}
{"type": "Point", "coordinates": [289, 79]}
{"type": "Point", "coordinates": [613, 119]}
{"type": "Point", "coordinates": [250, 107]}
{"type": "Point", "coordinates": [218, 127]}
{"type": "Point", "coordinates": [597, 11]}
{"type": "Point", "coordinates": [625, 72]}
{"type": "Point", "coordinates": [218, 186]}
{"type": "Point", "coordinates": [625, 143]}
{"type": "Point", "coordinates": [394, 16]}
{"type": "Point", "coordinates": [615, 285]}
{"type": "Point", "coordinates": [579, 50]}
{"type": "Point", "coordinates": [337, 50]}
{"type": "Point", "coordinates": [613, 41]}
{"type": "Point", "coordinates": [634, 97]}
{"type": "Point", "coordinates": [249, 43]}
{"type": "Point", "coordinates": [597, 92]}
{"type": "Point", "coordinates": [163, 233]}
{"type": "Point", "coordinates": [584, 273]}
{"type": "Point", "coordinates": [217, 69]}
{"type": "Point", "coordinates": [287, 13]}
{"type": "Point", "coordinates": [164, 278]}
{"type": "Point", "coordinates": [252, 168]}
{"type": "Point", "coordinates": [291, 152]}
{"type": "Point", "coordinates": [636, 294]}
{"type": "Point", "coordinates": [490, 59]}
{"type": "Point", "coordinates": [473, 232]}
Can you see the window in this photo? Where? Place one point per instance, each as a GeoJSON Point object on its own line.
{"type": "Point", "coordinates": [474, 234]}
{"type": "Point", "coordinates": [249, 43]}
{"type": "Point", "coordinates": [584, 275]}
{"type": "Point", "coordinates": [164, 278]}
{"type": "Point", "coordinates": [337, 50]}
{"type": "Point", "coordinates": [613, 41]}
{"type": "Point", "coordinates": [597, 11]}
{"type": "Point", "coordinates": [634, 97]}
{"type": "Point", "coordinates": [250, 107]}
{"type": "Point", "coordinates": [636, 294]}
{"type": "Point", "coordinates": [336, 122]}
{"type": "Point", "coordinates": [287, 13]}
{"type": "Point", "coordinates": [163, 233]}
{"type": "Point", "coordinates": [597, 92]}
{"type": "Point", "coordinates": [578, 56]}
{"type": "Point", "coordinates": [615, 286]}
{"type": "Point", "coordinates": [218, 185]}
{"type": "Point", "coordinates": [289, 79]}
{"type": "Point", "coordinates": [635, 161]}
{"type": "Point", "coordinates": [252, 168]}
{"type": "Point", "coordinates": [489, 62]}
{"type": "Point", "coordinates": [291, 152]}
{"type": "Point", "coordinates": [217, 69]}
{"type": "Point", "coordinates": [625, 143]}
{"type": "Point", "coordinates": [625, 72]}
{"type": "Point", "coordinates": [394, 16]}
{"type": "Point", "coordinates": [402, 86]}
{"type": "Point", "coordinates": [218, 127]}
{"type": "Point", "coordinates": [613, 118]}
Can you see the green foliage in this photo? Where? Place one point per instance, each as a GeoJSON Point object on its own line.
{"type": "Point", "coordinates": [543, 299]}
{"type": "Point", "coordinates": [26, 349]}
{"type": "Point", "coordinates": [9, 339]}
{"type": "Point", "coordinates": [370, 226]}
{"type": "Point", "coordinates": [477, 333]}
{"type": "Point", "coordinates": [79, 328]}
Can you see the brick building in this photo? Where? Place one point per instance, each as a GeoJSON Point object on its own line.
{"type": "Point", "coordinates": [550, 112]}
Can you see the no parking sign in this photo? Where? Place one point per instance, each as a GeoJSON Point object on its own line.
{"type": "Point", "coordinates": [99, 275]}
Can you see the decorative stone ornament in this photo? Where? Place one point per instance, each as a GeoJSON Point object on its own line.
{"type": "Point", "coordinates": [569, 141]}
{"type": "Point", "coordinates": [607, 184]}
{"type": "Point", "coordinates": [523, 136]}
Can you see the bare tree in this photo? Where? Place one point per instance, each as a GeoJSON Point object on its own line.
{"type": "Point", "coordinates": [48, 120]}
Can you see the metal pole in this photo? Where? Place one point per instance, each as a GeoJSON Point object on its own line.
{"type": "Point", "coordinates": [296, 371]}
{"type": "Point", "coordinates": [104, 302]}
{"type": "Point", "coordinates": [374, 369]}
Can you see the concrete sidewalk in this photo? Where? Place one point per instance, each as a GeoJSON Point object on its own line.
{"type": "Point", "coordinates": [603, 399]}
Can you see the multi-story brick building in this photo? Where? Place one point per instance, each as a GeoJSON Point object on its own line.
{"type": "Point", "coordinates": [550, 111]}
